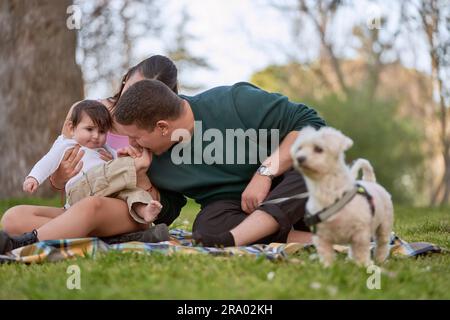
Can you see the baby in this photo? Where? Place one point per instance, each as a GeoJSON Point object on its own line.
{"type": "Point", "coordinates": [117, 178]}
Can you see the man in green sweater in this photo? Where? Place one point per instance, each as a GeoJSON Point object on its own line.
{"type": "Point", "coordinates": [212, 147]}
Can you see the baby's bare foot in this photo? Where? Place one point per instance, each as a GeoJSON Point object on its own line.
{"type": "Point", "coordinates": [148, 212]}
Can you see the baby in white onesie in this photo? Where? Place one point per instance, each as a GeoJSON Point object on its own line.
{"type": "Point", "coordinates": [90, 122]}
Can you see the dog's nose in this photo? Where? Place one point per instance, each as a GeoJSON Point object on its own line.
{"type": "Point", "coordinates": [301, 159]}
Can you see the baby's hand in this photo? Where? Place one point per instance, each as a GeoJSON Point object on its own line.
{"type": "Point", "coordinates": [30, 185]}
{"type": "Point", "coordinates": [129, 151]}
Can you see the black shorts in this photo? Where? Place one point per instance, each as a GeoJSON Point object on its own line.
{"type": "Point", "coordinates": [223, 215]}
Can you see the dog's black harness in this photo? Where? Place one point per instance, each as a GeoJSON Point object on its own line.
{"type": "Point", "coordinates": [312, 220]}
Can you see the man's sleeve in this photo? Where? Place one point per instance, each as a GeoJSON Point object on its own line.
{"type": "Point", "coordinates": [260, 109]}
{"type": "Point", "coordinates": [172, 203]}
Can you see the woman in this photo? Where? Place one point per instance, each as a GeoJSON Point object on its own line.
{"type": "Point", "coordinates": [94, 216]}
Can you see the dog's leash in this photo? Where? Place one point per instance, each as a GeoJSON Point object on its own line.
{"type": "Point", "coordinates": [279, 200]}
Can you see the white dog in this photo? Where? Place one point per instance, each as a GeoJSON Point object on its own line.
{"type": "Point", "coordinates": [342, 209]}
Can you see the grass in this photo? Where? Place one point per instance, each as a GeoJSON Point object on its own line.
{"type": "Point", "coordinates": [134, 276]}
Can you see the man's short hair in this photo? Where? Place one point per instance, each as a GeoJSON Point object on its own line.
{"type": "Point", "coordinates": [145, 103]}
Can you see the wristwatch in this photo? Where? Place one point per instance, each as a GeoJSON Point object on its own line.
{"type": "Point", "coordinates": [265, 171]}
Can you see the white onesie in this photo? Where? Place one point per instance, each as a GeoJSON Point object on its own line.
{"type": "Point", "coordinates": [50, 162]}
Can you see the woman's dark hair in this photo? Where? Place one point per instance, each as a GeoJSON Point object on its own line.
{"type": "Point", "coordinates": [95, 110]}
{"type": "Point", "coordinates": [156, 67]}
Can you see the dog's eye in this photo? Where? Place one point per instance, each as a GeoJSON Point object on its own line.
{"type": "Point", "coordinates": [318, 149]}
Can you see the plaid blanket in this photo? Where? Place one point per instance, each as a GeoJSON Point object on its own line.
{"type": "Point", "coordinates": [181, 243]}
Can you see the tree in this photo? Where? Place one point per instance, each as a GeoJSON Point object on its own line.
{"type": "Point", "coordinates": [434, 21]}
{"type": "Point", "coordinates": [321, 14]}
{"type": "Point", "coordinates": [179, 51]}
{"type": "Point", "coordinates": [402, 30]}
{"type": "Point", "coordinates": [110, 30]}
{"type": "Point", "coordinates": [40, 81]}
{"type": "Point", "coordinates": [390, 141]}
{"type": "Point", "coordinates": [372, 42]}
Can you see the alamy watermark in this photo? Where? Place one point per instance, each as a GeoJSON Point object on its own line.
{"type": "Point", "coordinates": [374, 17]}
{"type": "Point", "coordinates": [374, 280]}
{"type": "Point", "coordinates": [73, 22]}
{"type": "Point", "coordinates": [74, 279]}
{"type": "Point", "coordinates": [214, 146]}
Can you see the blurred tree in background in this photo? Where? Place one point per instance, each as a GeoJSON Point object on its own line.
{"type": "Point", "coordinates": [39, 81]}
{"type": "Point", "coordinates": [390, 142]}
{"type": "Point", "coordinates": [112, 31]}
{"type": "Point", "coordinates": [365, 68]}
{"type": "Point", "coordinates": [434, 22]}
{"type": "Point", "coordinates": [179, 52]}
{"type": "Point", "coordinates": [108, 36]}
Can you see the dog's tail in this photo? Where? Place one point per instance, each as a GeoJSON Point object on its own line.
{"type": "Point", "coordinates": [368, 173]}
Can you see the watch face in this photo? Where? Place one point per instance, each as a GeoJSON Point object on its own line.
{"type": "Point", "coordinates": [264, 171]}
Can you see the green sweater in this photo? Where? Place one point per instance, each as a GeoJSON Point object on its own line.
{"type": "Point", "coordinates": [241, 106]}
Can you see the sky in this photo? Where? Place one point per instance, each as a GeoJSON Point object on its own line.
{"type": "Point", "coordinates": [237, 37]}
{"type": "Point", "coordinates": [241, 37]}
{"type": "Point", "coordinates": [232, 35]}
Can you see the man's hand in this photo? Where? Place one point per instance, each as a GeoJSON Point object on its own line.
{"type": "Point", "coordinates": [30, 185]}
{"type": "Point", "coordinates": [255, 193]}
{"type": "Point", "coordinates": [69, 167]}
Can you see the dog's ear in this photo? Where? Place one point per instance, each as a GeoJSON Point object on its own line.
{"type": "Point", "coordinates": [336, 140]}
{"type": "Point", "coordinates": [303, 135]}
{"type": "Point", "coordinates": [347, 143]}
{"type": "Point", "coordinates": [306, 131]}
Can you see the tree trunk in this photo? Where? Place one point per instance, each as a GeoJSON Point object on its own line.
{"type": "Point", "coordinates": [39, 81]}
{"type": "Point", "coordinates": [430, 14]}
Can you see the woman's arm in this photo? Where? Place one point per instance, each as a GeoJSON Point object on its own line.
{"type": "Point", "coordinates": [69, 167]}
{"type": "Point", "coordinates": [70, 164]}
{"type": "Point", "coordinates": [65, 131]}
{"type": "Point", "coordinates": [48, 164]}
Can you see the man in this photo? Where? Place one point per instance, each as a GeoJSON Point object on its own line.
{"type": "Point", "coordinates": [231, 193]}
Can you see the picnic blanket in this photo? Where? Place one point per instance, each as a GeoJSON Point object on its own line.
{"type": "Point", "coordinates": [181, 243]}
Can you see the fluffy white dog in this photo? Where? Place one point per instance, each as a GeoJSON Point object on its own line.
{"type": "Point", "coordinates": [341, 209]}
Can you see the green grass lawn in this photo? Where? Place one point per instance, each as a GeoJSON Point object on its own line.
{"type": "Point", "coordinates": [134, 276]}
